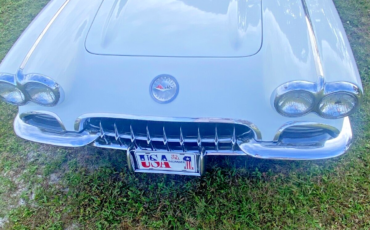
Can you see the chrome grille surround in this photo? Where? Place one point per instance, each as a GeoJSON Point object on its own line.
{"type": "Point", "coordinates": [168, 135]}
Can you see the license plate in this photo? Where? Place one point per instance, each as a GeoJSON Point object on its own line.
{"type": "Point", "coordinates": [165, 162]}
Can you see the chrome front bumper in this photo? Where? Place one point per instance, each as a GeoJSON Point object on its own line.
{"type": "Point", "coordinates": [329, 149]}
{"type": "Point", "coordinates": [264, 150]}
{"type": "Point", "coordinates": [66, 139]}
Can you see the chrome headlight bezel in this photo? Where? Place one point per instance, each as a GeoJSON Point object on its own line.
{"type": "Point", "coordinates": [8, 79]}
{"type": "Point", "coordinates": [319, 94]}
{"type": "Point", "coordinates": [340, 88]}
{"type": "Point", "coordinates": [295, 86]}
{"type": "Point", "coordinates": [20, 82]}
{"type": "Point", "coordinates": [44, 82]}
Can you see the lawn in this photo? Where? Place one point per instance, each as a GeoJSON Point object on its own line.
{"type": "Point", "coordinates": [44, 187]}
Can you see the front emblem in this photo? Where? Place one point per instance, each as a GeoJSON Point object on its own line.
{"type": "Point", "coordinates": [164, 88]}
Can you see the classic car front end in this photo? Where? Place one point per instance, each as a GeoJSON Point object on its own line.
{"type": "Point", "coordinates": [175, 81]}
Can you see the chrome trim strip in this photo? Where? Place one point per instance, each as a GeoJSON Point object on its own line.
{"type": "Point", "coordinates": [29, 54]}
{"type": "Point", "coordinates": [22, 80]}
{"type": "Point", "coordinates": [331, 148]}
{"type": "Point", "coordinates": [65, 139]}
{"type": "Point", "coordinates": [315, 47]}
{"type": "Point", "coordinates": [81, 120]}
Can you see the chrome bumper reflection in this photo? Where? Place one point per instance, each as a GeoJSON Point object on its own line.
{"type": "Point", "coordinates": [329, 149]}
{"type": "Point", "coordinates": [264, 150]}
{"type": "Point", "coordinates": [64, 139]}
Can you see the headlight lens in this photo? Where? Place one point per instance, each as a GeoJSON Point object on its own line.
{"type": "Point", "coordinates": [295, 103]}
{"type": "Point", "coordinates": [337, 105]}
{"type": "Point", "coordinates": [41, 94]}
{"type": "Point", "coordinates": [11, 94]}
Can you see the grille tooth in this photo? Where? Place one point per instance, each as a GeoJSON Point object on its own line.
{"type": "Point", "coordinates": [233, 140]}
{"type": "Point", "coordinates": [133, 138]}
{"type": "Point", "coordinates": [148, 138]}
{"type": "Point", "coordinates": [102, 133]}
{"type": "Point", "coordinates": [182, 141]}
{"type": "Point", "coordinates": [165, 141]}
{"type": "Point", "coordinates": [116, 132]}
{"type": "Point", "coordinates": [216, 139]}
{"type": "Point", "coordinates": [199, 141]}
{"type": "Point", "coordinates": [117, 135]}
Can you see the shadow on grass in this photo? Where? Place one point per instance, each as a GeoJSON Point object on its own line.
{"type": "Point", "coordinates": [93, 159]}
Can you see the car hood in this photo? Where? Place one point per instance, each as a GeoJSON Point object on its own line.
{"type": "Point", "coordinates": [182, 28]}
{"type": "Point", "coordinates": [226, 88]}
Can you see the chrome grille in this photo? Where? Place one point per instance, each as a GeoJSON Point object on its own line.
{"type": "Point", "coordinates": [170, 136]}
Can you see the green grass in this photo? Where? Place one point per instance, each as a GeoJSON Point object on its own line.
{"type": "Point", "coordinates": [44, 187]}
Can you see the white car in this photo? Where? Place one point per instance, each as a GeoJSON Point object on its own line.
{"type": "Point", "coordinates": [174, 81]}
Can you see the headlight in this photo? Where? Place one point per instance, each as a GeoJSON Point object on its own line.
{"type": "Point", "coordinates": [332, 100]}
{"type": "Point", "coordinates": [32, 87]}
{"type": "Point", "coordinates": [295, 103]}
{"type": "Point", "coordinates": [337, 105]}
{"type": "Point", "coordinates": [42, 90]}
{"type": "Point", "coordinates": [40, 94]}
{"type": "Point", "coordinates": [11, 94]}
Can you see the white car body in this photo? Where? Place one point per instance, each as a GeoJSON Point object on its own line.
{"type": "Point", "coordinates": [228, 57]}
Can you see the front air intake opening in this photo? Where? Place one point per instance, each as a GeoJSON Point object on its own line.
{"type": "Point", "coordinates": [306, 136]}
{"type": "Point", "coordinates": [168, 136]}
{"type": "Point", "coordinates": [44, 122]}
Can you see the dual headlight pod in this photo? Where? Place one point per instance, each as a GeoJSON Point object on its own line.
{"type": "Point", "coordinates": [336, 100]}
{"type": "Point", "coordinates": [36, 88]}
{"type": "Point", "coordinates": [9, 91]}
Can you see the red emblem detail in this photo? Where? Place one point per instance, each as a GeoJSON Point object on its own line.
{"type": "Point", "coordinates": [159, 87]}
{"type": "Point", "coordinates": [188, 163]}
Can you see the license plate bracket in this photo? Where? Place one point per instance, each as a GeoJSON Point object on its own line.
{"type": "Point", "coordinates": [162, 162]}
